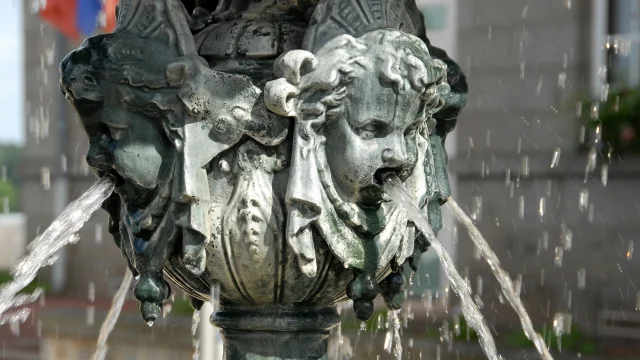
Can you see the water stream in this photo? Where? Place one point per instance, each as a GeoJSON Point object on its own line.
{"type": "Point", "coordinates": [43, 250]}
{"type": "Point", "coordinates": [503, 278]}
{"type": "Point", "coordinates": [394, 187]}
{"type": "Point", "coordinates": [112, 317]}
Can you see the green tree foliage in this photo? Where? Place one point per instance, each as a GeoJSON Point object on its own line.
{"type": "Point", "coordinates": [9, 179]}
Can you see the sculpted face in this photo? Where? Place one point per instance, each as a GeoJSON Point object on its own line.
{"type": "Point", "coordinates": [133, 148]}
{"type": "Point", "coordinates": [377, 132]}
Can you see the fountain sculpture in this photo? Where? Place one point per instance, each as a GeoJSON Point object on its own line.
{"type": "Point", "coordinates": [248, 140]}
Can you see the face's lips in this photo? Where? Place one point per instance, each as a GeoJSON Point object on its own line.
{"type": "Point", "coordinates": [114, 175]}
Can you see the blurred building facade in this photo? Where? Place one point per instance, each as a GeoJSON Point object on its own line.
{"type": "Point", "coordinates": [54, 171]}
{"type": "Point", "coordinates": [526, 62]}
{"type": "Point", "coordinates": [521, 167]}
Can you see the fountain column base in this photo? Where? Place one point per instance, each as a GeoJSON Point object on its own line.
{"type": "Point", "coordinates": [275, 333]}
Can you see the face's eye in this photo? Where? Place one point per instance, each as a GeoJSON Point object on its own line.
{"type": "Point", "coordinates": [116, 133]}
{"type": "Point", "coordinates": [372, 129]}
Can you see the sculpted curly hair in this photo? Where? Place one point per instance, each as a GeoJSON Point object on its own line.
{"type": "Point", "coordinates": [399, 59]}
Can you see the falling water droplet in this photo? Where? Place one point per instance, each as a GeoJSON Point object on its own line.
{"type": "Point", "coordinates": [630, 251]}
{"type": "Point", "coordinates": [582, 278]}
{"type": "Point", "coordinates": [562, 79]}
{"type": "Point", "coordinates": [557, 259]}
{"type": "Point", "coordinates": [595, 111]}
{"type": "Point", "coordinates": [569, 299]}
{"type": "Point", "coordinates": [555, 159]}
{"type": "Point", "coordinates": [525, 166]}
{"type": "Point", "coordinates": [91, 315]}
{"type": "Point", "coordinates": [591, 163]}
{"type": "Point", "coordinates": [98, 234]}
{"type": "Point", "coordinates": [521, 207]}
{"type": "Point", "coordinates": [566, 237]}
{"type": "Point", "coordinates": [166, 309]}
{"type": "Point", "coordinates": [519, 150]}
{"type": "Point", "coordinates": [45, 175]}
{"type": "Point", "coordinates": [479, 284]}
{"type": "Point", "coordinates": [456, 325]}
{"type": "Point", "coordinates": [428, 302]}
{"type": "Point", "coordinates": [476, 210]}
{"type": "Point", "coordinates": [91, 291]}
{"type": "Point", "coordinates": [63, 163]}
{"type": "Point", "coordinates": [14, 326]}
{"type": "Point", "coordinates": [583, 199]}
{"type": "Point", "coordinates": [558, 324]}
{"type": "Point", "coordinates": [541, 208]}
{"type": "Point", "coordinates": [567, 4]}
{"type": "Point", "coordinates": [604, 174]}
{"type": "Point", "coordinates": [511, 190]}
{"type": "Point", "coordinates": [539, 87]}
{"type": "Point", "coordinates": [363, 326]}
{"type": "Point", "coordinates": [590, 213]}
{"type": "Point", "coordinates": [507, 180]}
{"type": "Point", "coordinates": [545, 240]}
{"type": "Point", "coordinates": [517, 285]}
{"type": "Point", "coordinates": [149, 323]}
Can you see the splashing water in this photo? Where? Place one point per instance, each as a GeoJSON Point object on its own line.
{"type": "Point", "coordinates": [42, 251]}
{"type": "Point", "coordinates": [503, 278]}
{"type": "Point", "coordinates": [195, 323]}
{"type": "Point", "coordinates": [394, 187]}
{"type": "Point", "coordinates": [392, 341]}
{"type": "Point", "coordinates": [112, 317]}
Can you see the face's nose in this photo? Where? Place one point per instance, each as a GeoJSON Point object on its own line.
{"type": "Point", "coordinates": [98, 157]}
{"type": "Point", "coordinates": [395, 155]}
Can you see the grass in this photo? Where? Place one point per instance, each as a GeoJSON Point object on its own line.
{"type": "Point", "coordinates": [576, 342]}
{"type": "Point", "coordinates": [181, 307]}
{"type": "Point", "coordinates": [5, 277]}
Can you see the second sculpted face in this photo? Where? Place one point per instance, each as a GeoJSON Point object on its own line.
{"type": "Point", "coordinates": [377, 132]}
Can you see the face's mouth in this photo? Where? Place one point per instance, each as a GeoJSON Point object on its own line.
{"type": "Point", "coordinates": [373, 194]}
{"type": "Point", "coordinates": [380, 176]}
{"type": "Point", "coordinates": [114, 175]}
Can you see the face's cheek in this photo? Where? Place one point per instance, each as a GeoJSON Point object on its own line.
{"type": "Point", "coordinates": [141, 150]}
{"type": "Point", "coordinates": [138, 163]}
{"type": "Point", "coordinates": [352, 160]}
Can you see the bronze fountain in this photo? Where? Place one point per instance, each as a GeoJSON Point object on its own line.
{"type": "Point", "coordinates": [247, 140]}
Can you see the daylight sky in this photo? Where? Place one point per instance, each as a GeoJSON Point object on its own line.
{"type": "Point", "coordinates": [11, 73]}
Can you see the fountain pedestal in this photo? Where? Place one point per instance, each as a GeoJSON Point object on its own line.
{"type": "Point", "coordinates": [275, 332]}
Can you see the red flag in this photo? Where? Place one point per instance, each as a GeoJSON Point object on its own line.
{"type": "Point", "coordinates": [109, 9]}
{"type": "Point", "coordinates": [61, 14]}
